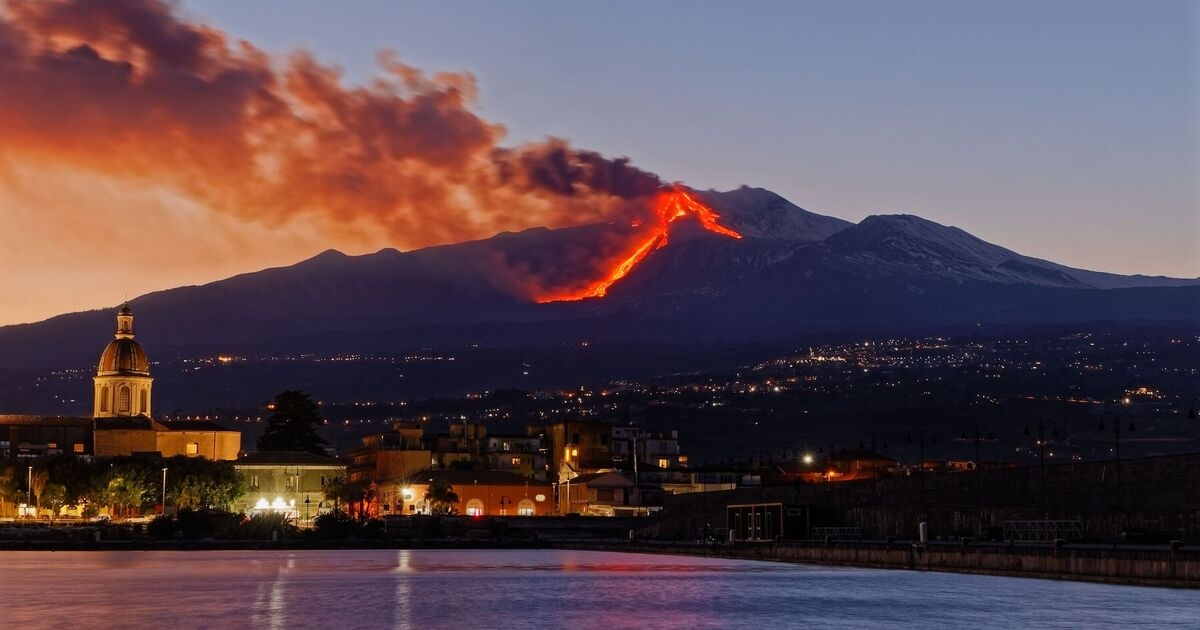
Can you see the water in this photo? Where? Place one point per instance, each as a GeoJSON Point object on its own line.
{"type": "Point", "coordinates": [543, 589]}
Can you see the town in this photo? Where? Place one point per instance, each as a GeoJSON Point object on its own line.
{"type": "Point", "coordinates": [864, 412]}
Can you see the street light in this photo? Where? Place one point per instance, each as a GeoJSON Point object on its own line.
{"type": "Point", "coordinates": [1117, 418]}
{"type": "Point", "coordinates": [164, 491]}
{"type": "Point", "coordinates": [28, 490]}
{"type": "Point", "coordinates": [1041, 443]}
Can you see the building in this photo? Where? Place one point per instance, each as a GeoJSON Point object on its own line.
{"type": "Point", "coordinates": [607, 493]}
{"type": "Point", "coordinates": [287, 482]}
{"type": "Point", "coordinates": [480, 493]}
{"type": "Point", "coordinates": [122, 380]}
{"type": "Point", "coordinates": [390, 456]}
{"type": "Point", "coordinates": [659, 449]}
{"type": "Point", "coordinates": [520, 454]}
{"type": "Point", "coordinates": [121, 423]}
{"type": "Point", "coordinates": [125, 436]}
{"type": "Point", "coordinates": [860, 463]}
{"type": "Point", "coordinates": [581, 447]}
{"type": "Point", "coordinates": [24, 437]}
{"type": "Point", "coordinates": [121, 408]}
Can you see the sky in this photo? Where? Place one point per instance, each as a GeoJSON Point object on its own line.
{"type": "Point", "coordinates": [1068, 131]}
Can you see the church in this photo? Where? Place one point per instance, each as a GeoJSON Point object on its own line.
{"type": "Point", "coordinates": [121, 422]}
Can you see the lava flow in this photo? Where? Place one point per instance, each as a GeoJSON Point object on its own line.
{"type": "Point", "coordinates": [668, 207]}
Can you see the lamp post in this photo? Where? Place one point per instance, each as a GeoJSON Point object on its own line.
{"type": "Point", "coordinates": [164, 491]}
{"type": "Point", "coordinates": [307, 501]}
{"type": "Point", "coordinates": [1041, 443]}
{"type": "Point", "coordinates": [1117, 418]}
{"type": "Point", "coordinates": [28, 490]}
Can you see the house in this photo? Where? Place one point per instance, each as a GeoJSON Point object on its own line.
{"type": "Point", "coordinates": [607, 493]}
{"type": "Point", "coordinates": [287, 482]}
{"type": "Point", "coordinates": [396, 454]}
{"type": "Point", "coordinates": [480, 493]}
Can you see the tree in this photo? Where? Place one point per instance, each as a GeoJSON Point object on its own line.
{"type": "Point", "coordinates": [441, 497]}
{"type": "Point", "coordinates": [38, 486]}
{"type": "Point", "coordinates": [55, 496]}
{"type": "Point", "coordinates": [10, 489]}
{"type": "Point", "coordinates": [357, 495]}
{"type": "Point", "coordinates": [126, 487]}
{"type": "Point", "coordinates": [293, 426]}
{"type": "Point", "coordinates": [195, 483]}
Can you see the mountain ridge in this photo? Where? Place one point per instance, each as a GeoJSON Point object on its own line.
{"type": "Point", "coordinates": [793, 272]}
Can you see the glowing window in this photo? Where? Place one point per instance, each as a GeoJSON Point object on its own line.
{"type": "Point", "coordinates": [104, 394]}
{"type": "Point", "coordinates": [664, 463]}
{"type": "Point", "coordinates": [193, 448]}
{"type": "Point", "coordinates": [474, 507]}
{"type": "Point", "coordinates": [516, 461]}
{"type": "Point", "coordinates": [78, 447]}
{"type": "Point", "coordinates": [525, 508]}
{"type": "Point", "coordinates": [124, 399]}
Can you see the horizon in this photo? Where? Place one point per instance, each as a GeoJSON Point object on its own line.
{"type": "Point", "coordinates": [1089, 131]}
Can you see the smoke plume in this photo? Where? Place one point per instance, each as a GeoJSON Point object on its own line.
{"type": "Point", "coordinates": [135, 90]}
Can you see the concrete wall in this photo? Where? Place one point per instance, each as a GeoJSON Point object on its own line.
{"type": "Point", "coordinates": [215, 445]}
{"type": "Point", "coordinates": [1154, 567]}
{"type": "Point", "coordinates": [119, 442]}
{"type": "Point", "coordinates": [1110, 565]}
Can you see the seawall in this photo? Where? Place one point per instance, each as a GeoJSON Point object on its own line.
{"type": "Point", "coordinates": [1146, 566]}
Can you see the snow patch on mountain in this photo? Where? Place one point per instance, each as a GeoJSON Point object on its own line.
{"type": "Point", "coordinates": [760, 213]}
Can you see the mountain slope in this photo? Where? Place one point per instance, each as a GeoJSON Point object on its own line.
{"type": "Point", "coordinates": [760, 213]}
{"type": "Point", "coordinates": [793, 272]}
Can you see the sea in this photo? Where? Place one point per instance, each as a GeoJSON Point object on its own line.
{"type": "Point", "coordinates": [467, 589]}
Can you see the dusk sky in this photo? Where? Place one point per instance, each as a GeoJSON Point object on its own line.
{"type": "Point", "coordinates": [1068, 131]}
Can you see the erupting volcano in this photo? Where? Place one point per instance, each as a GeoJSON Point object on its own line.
{"type": "Point", "coordinates": [668, 207]}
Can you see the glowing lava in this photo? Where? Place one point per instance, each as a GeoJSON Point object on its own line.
{"type": "Point", "coordinates": [668, 207]}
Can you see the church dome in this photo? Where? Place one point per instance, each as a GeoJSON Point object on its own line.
{"type": "Point", "coordinates": [123, 356]}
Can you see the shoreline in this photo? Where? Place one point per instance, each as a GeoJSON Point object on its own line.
{"type": "Point", "coordinates": [923, 560]}
{"type": "Point", "coordinates": [1145, 566]}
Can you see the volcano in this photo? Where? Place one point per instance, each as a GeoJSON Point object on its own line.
{"type": "Point", "coordinates": [704, 267]}
{"type": "Point", "coordinates": [669, 207]}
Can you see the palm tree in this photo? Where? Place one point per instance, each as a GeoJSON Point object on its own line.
{"type": "Point", "coordinates": [441, 497]}
{"type": "Point", "coordinates": [38, 486]}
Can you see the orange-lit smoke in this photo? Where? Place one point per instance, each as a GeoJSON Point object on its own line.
{"type": "Point", "coordinates": [669, 207]}
{"type": "Point", "coordinates": [133, 91]}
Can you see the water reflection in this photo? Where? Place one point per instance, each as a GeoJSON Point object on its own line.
{"type": "Point", "coordinates": [576, 589]}
{"type": "Point", "coordinates": [402, 615]}
{"type": "Point", "coordinates": [270, 607]}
